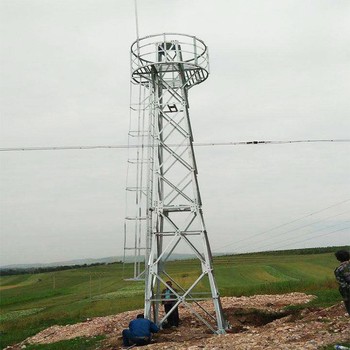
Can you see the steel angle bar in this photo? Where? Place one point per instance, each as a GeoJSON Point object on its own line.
{"type": "Point", "coordinates": [172, 233]}
{"type": "Point", "coordinates": [178, 298]}
{"type": "Point", "coordinates": [173, 248]}
{"type": "Point", "coordinates": [195, 301]}
{"type": "Point", "coordinates": [180, 192]}
{"type": "Point", "coordinates": [174, 94]}
{"type": "Point", "coordinates": [178, 231]}
{"type": "Point", "coordinates": [133, 189]}
{"type": "Point", "coordinates": [138, 218]}
{"type": "Point", "coordinates": [143, 108]}
{"type": "Point", "coordinates": [162, 72]}
{"type": "Point", "coordinates": [140, 75]}
{"type": "Point", "coordinates": [152, 253]}
{"type": "Point", "coordinates": [173, 281]}
{"type": "Point", "coordinates": [137, 161]}
{"type": "Point", "coordinates": [174, 162]}
{"type": "Point", "coordinates": [171, 111]}
{"type": "Point", "coordinates": [188, 291]}
{"type": "Point", "coordinates": [176, 125]}
{"type": "Point", "coordinates": [191, 218]}
{"type": "Point", "coordinates": [181, 235]}
{"type": "Point", "coordinates": [161, 99]}
{"type": "Point", "coordinates": [133, 248]}
{"type": "Point", "coordinates": [142, 102]}
{"type": "Point", "coordinates": [184, 296]}
{"type": "Point", "coordinates": [201, 293]}
{"type": "Point", "coordinates": [164, 282]}
{"type": "Point", "coordinates": [177, 185]}
{"type": "Point", "coordinates": [190, 301]}
{"type": "Point", "coordinates": [199, 255]}
{"type": "Point", "coordinates": [139, 277]}
{"type": "Point", "coordinates": [175, 155]}
{"type": "Point", "coordinates": [170, 90]}
{"type": "Point", "coordinates": [190, 295]}
{"type": "Point", "coordinates": [179, 155]}
{"type": "Point", "coordinates": [176, 189]}
{"type": "Point", "coordinates": [164, 251]}
{"type": "Point", "coordinates": [192, 233]}
{"type": "Point", "coordinates": [171, 155]}
{"type": "Point", "coordinates": [166, 234]}
{"type": "Point", "coordinates": [167, 55]}
{"type": "Point", "coordinates": [169, 121]}
{"type": "Point", "coordinates": [134, 109]}
{"type": "Point", "coordinates": [170, 311]}
{"type": "Point", "coordinates": [138, 133]}
{"type": "Point", "coordinates": [166, 217]}
{"type": "Point", "coordinates": [200, 317]}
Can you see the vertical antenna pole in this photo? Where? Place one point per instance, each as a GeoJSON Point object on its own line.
{"type": "Point", "coordinates": [137, 25]}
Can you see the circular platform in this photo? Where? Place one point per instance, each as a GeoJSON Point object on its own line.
{"type": "Point", "coordinates": [169, 53]}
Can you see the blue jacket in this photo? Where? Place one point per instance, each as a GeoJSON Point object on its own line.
{"type": "Point", "coordinates": [141, 327]}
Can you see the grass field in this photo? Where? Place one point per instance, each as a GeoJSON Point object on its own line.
{"type": "Point", "coordinates": [30, 303]}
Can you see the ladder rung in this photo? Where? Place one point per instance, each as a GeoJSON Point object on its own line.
{"type": "Point", "coordinates": [135, 248]}
{"type": "Point", "coordinates": [140, 218]}
{"type": "Point", "coordinates": [138, 161]}
{"type": "Point", "coordinates": [135, 189]}
{"type": "Point", "coordinates": [138, 133]}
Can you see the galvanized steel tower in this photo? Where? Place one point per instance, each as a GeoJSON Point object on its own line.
{"type": "Point", "coordinates": [168, 218]}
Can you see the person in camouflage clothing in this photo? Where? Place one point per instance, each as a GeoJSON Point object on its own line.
{"type": "Point", "coordinates": [342, 274]}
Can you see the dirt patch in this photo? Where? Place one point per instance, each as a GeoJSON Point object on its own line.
{"type": "Point", "coordinates": [258, 322]}
{"type": "Point", "coordinates": [241, 319]}
{"type": "Point", "coordinates": [10, 286]}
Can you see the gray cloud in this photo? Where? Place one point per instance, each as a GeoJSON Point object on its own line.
{"type": "Point", "coordinates": [279, 70]}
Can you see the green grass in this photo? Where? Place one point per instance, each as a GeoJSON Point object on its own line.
{"type": "Point", "coordinates": [39, 301]}
{"type": "Point", "coordinates": [30, 303]}
{"type": "Point", "coordinates": [73, 344]}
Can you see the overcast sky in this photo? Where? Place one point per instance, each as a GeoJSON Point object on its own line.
{"type": "Point", "coordinates": [279, 71]}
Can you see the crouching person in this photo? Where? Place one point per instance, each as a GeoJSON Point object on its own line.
{"type": "Point", "coordinates": [139, 332]}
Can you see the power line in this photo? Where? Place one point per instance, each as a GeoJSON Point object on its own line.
{"type": "Point", "coordinates": [298, 228]}
{"type": "Point", "coordinates": [320, 229]}
{"type": "Point", "coordinates": [199, 144]}
{"type": "Point", "coordinates": [313, 237]}
{"type": "Point", "coordinates": [282, 225]}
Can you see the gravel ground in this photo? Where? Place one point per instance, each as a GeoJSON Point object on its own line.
{"type": "Point", "coordinates": [258, 322]}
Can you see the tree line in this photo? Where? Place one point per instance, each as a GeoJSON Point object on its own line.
{"type": "Point", "coordinates": [42, 269]}
{"type": "Point", "coordinates": [302, 251]}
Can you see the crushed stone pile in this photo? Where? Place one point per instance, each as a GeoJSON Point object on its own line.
{"type": "Point", "coordinates": [251, 329]}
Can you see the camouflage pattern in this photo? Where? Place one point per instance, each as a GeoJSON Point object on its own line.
{"type": "Point", "coordinates": [342, 275]}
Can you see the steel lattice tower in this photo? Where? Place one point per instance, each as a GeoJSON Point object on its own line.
{"type": "Point", "coordinates": [169, 216]}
